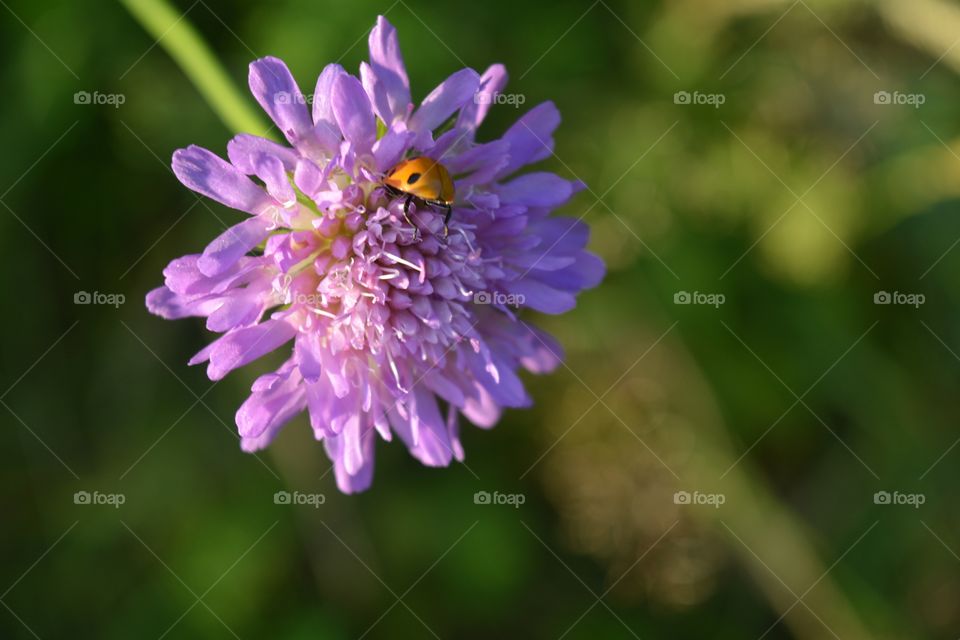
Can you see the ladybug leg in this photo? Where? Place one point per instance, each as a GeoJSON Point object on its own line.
{"type": "Point", "coordinates": [446, 221]}
{"type": "Point", "coordinates": [406, 216]}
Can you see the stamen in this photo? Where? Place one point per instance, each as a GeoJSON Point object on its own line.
{"type": "Point", "coordinates": [396, 258]}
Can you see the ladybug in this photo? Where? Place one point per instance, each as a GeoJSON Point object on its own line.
{"type": "Point", "coordinates": [425, 179]}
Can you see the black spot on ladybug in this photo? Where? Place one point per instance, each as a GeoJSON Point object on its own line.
{"type": "Point", "coordinates": [413, 178]}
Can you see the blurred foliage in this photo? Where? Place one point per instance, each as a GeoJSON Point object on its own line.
{"type": "Point", "coordinates": [798, 199]}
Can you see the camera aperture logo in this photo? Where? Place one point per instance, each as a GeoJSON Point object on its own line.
{"type": "Point", "coordinates": [96, 498]}
{"type": "Point", "coordinates": [697, 98]}
{"type": "Point", "coordinates": [712, 499]}
{"type": "Point", "coordinates": [897, 98]}
{"type": "Point", "coordinates": [98, 298]}
{"type": "Point", "coordinates": [896, 498]}
{"type": "Point", "coordinates": [97, 98]}
{"type": "Point", "coordinates": [499, 299]}
{"type": "Point", "coordinates": [897, 297]}
{"type": "Point", "coordinates": [698, 297]}
{"type": "Point", "coordinates": [512, 499]}
{"type": "Point", "coordinates": [297, 498]}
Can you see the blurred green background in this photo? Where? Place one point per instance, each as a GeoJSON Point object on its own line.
{"type": "Point", "coordinates": [798, 199]}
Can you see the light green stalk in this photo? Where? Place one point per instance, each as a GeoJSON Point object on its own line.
{"type": "Point", "coordinates": [177, 36]}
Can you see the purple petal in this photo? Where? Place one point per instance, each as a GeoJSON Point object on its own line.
{"type": "Point", "coordinates": [353, 453]}
{"type": "Point", "coordinates": [357, 447]}
{"type": "Point", "coordinates": [273, 86]}
{"type": "Point", "coordinates": [385, 79]}
{"type": "Point", "coordinates": [241, 346]}
{"type": "Point", "coordinates": [242, 308]}
{"type": "Point", "coordinates": [307, 352]}
{"type": "Point", "coordinates": [507, 389]}
{"type": "Point", "coordinates": [536, 190]}
{"type": "Point", "coordinates": [244, 149]}
{"type": "Point", "coordinates": [165, 303]}
{"type": "Point", "coordinates": [274, 175]}
{"type": "Point", "coordinates": [481, 409]}
{"type": "Point", "coordinates": [453, 430]}
{"type": "Point", "coordinates": [444, 385]}
{"type": "Point", "coordinates": [268, 409]}
{"type": "Point", "coordinates": [492, 82]}
{"type": "Point", "coordinates": [323, 95]}
{"type": "Point", "coordinates": [210, 175]}
{"type": "Point", "coordinates": [481, 161]}
{"type": "Point", "coordinates": [549, 261]}
{"type": "Point", "coordinates": [353, 113]}
{"type": "Point", "coordinates": [561, 234]}
{"type": "Point", "coordinates": [453, 93]}
{"type": "Point", "coordinates": [389, 149]}
{"type": "Point", "coordinates": [451, 143]}
{"type": "Point", "coordinates": [425, 432]}
{"type": "Point", "coordinates": [477, 157]}
{"type": "Point", "coordinates": [308, 177]}
{"type": "Point", "coordinates": [531, 137]}
{"type": "Point", "coordinates": [541, 297]}
{"type": "Point", "coordinates": [183, 276]}
{"type": "Point", "coordinates": [591, 269]}
{"type": "Point", "coordinates": [544, 352]}
{"type": "Point", "coordinates": [585, 272]}
{"type": "Point", "coordinates": [433, 447]}
{"type": "Point", "coordinates": [221, 254]}
{"type": "Point", "coordinates": [325, 127]}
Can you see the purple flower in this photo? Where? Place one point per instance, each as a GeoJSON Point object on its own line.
{"type": "Point", "coordinates": [395, 330]}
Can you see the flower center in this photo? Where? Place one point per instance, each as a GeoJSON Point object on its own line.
{"type": "Point", "coordinates": [369, 275]}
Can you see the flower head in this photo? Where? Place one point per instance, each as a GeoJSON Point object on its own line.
{"type": "Point", "coordinates": [398, 325]}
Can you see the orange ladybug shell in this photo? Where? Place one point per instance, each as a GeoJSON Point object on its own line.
{"type": "Point", "coordinates": [424, 178]}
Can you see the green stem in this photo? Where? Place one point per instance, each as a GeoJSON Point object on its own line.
{"type": "Point", "coordinates": [174, 33]}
